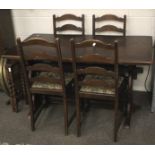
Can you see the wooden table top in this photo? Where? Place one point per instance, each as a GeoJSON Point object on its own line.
{"type": "Point", "coordinates": [133, 50]}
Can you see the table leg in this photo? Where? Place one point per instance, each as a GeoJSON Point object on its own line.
{"type": "Point", "coordinates": [129, 106]}
{"type": "Point", "coordinates": [153, 81]}
{"type": "Point", "coordinates": [153, 89]}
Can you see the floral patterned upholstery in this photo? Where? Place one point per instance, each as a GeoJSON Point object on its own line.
{"type": "Point", "coordinates": [109, 88]}
{"type": "Point", "coordinates": [48, 85]}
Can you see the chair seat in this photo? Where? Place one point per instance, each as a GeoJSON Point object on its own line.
{"type": "Point", "coordinates": [48, 85]}
{"type": "Point", "coordinates": [109, 87]}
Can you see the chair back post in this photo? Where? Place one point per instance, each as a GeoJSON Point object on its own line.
{"type": "Point", "coordinates": [74, 65]}
{"type": "Point", "coordinates": [93, 25]}
{"type": "Point", "coordinates": [116, 105]}
{"type": "Point", "coordinates": [83, 25]}
{"type": "Point", "coordinates": [124, 26]}
{"type": "Point", "coordinates": [20, 50]}
{"type": "Point", "coordinates": [26, 81]}
{"type": "Point", "coordinates": [60, 62]}
{"type": "Point", "coordinates": [54, 25]}
{"type": "Point", "coordinates": [116, 68]}
{"type": "Point", "coordinates": [22, 61]}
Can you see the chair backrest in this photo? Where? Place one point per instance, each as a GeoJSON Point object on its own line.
{"type": "Point", "coordinates": [94, 58]}
{"type": "Point", "coordinates": [109, 27]}
{"type": "Point", "coordinates": [69, 26]}
{"type": "Point", "coordinates": [39, 61]}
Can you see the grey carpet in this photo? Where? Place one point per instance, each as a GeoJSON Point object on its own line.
{"type": "Point", "coordinates": [15, 127]}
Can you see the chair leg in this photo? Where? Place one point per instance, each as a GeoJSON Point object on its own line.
{"type": "Point", "coordinates": [30, 102]}
{"type": "Point", "coordinates": [130, 103]}
{"type": "Point", "coordinates": [13, 99]}
{"type": "Point", "coordinates": [14, 104]}
{"type": "Point", "coordinates": [23, 88]}
{"type": "Point", "coordinates": [115, 129]}
{"type": "Point", "coordinates": [116, 123]}
{"type": "Point", "coordinates": [118, 118]}
{"type": "Point", "coordinates": [32, 121]}
{"type": "Point", "coordinates": [12, 91]}
{"type": "Point", "coordinates": [25, 94]}
{"type": "Point", "coordinates": [78, 117]}
{"type": "Point", "coordinates": [66, 115]}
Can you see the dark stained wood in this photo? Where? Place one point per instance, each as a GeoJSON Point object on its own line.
{"type": "Point", "coordinates": [95, 83]}
{"type": "Point", "coordinates": [29, 68]}
{"type": "Point", "coordinates": [68, 16]}
{"type": "Point", "coordinates": [107, 97]}
{"type": "Point", "coordinates": [79, 82]}
{"type": "Point", "coordinates": [94, 43]}
{"type": "Point", "coordinates": [69, 26]}
{"type": "Point", "coordinates": [133, 50]}
{"type": "Point", "coordinates": [89, 58]}
{"type": "Point", "coordinates": [38, 41]}
{"type": "Point", "coordinates": [47, 91]}
{"type": "Point", "coordinates": [46, 80]}
{"type": "Point", "coordinates": [16, 90]}
{"type": "Point", "coordinates": [43, 67]}
{"type": "Point", "coordinates": [107, 27]}
{"type": "Point", "coordinates": [109, 17]}
{"type": "Point", "coordinates": [12, 57]}
{"type": "Point", "coordinates": [95, 70]}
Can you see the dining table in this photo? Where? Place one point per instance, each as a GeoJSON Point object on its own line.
{"type": "Point", "coordinates": [133, 52]}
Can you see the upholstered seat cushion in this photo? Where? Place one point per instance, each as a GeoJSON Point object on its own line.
{"type": "Point", "coordinates": [109, 87]}
{"type": "Point", "coordinates": [48, 85]}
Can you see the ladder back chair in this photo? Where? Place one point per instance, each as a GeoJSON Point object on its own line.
{"type": "Point", "coordinates": [106, 25]}
{"type": "Point", "coordinates": [109, 27]}
{"type": "Point", "coordinates": [41, 77]}
{"type": "Point", "coordinates": [69, 26]}
{"type": "Point", "coordinates": [95, 81]}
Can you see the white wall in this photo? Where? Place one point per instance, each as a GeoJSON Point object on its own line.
{"type": "Point", "coordinates": [139, 22]}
